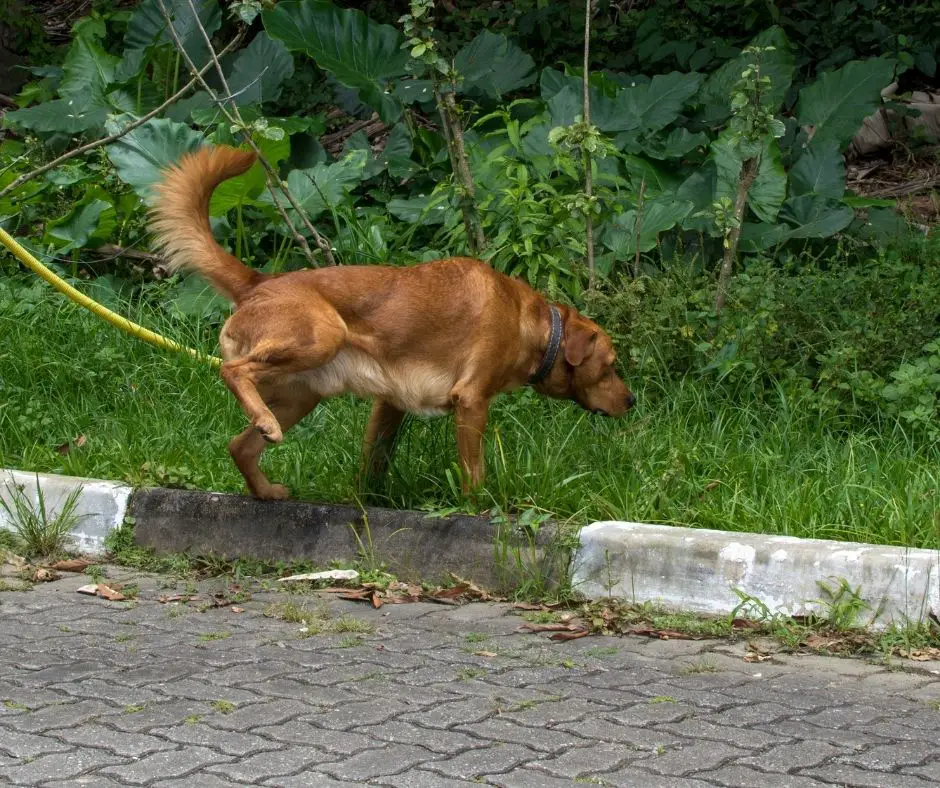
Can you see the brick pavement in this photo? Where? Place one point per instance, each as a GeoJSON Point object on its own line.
{"type": "Point", "coordinates": [104, 694]}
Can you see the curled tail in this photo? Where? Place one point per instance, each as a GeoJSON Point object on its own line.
{"type": "Point", "coordinates": [180, 218]}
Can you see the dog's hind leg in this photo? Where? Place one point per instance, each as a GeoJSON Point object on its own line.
{"type": "Point", "coordinates": [379, 443]}
{"type": "Point", "coordinates": [260, 349]}
{"type": "Point", "coordinates": [289, 406]}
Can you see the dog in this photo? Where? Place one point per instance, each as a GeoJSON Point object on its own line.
{"type": "Point", "coordinates": [439, 337]}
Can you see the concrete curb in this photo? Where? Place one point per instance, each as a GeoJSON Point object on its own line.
{"type": "Point", "coordinates": [101, 505]}
{"type": "Point", "coordinates": [697, 570]}
{"type": "Point", "coordinates": [412, 545]}
{"type": "Point", "coordinates": [690, 569]}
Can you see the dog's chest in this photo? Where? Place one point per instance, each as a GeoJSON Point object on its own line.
{"type": "Point", "coordinates": [411, 386]}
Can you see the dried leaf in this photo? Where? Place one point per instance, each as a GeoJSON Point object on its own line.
{"type": "Point", "coordinates": [376, 600]}
{"type": "Point", "coordinates": [330, 574]}
{"type": "Point", "coordinates": [236, 609]}
{"type": "Point", "coordinates": [109, 593]}
{"type": "Point", "coordinates": [662, 634]}
{"type": "Point", "coordinates": [91, 590]}
{"type": "Point", "coordinates": [66, 447]}
{"type": "Point", "coordinates": [71, 565]}
{"type": "Point", "coordinates": [176, 598]}
{"type": "Point", "coordinates": [42, 575]}
{"type": "Point", "coordinates": [744, 623]}
{"type": "Point", "coordinates": [923, 655]}
{"type": "Point", "coordinates": [579, 633]}
{"type": "Point", "coordinates": [484, 653]}
{"type": "Point", "coordinates": [529, 606]}
{"type": "Point", "coordinates": [550, 627]}
{"type": "Point", "coordinates": [753, 656]}
{"type": "Point", "coordinates": [359, 595]}
{"type": "Point", "coordinates": [450, 593]}
{"type": "Point", "coordinates": [822, 641]}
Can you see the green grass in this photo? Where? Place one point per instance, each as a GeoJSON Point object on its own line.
{"type": "Point", "coordinates": [694, 452]}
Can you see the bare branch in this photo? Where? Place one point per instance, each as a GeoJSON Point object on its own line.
{"type": "Point", "coordinates": [235, 118]}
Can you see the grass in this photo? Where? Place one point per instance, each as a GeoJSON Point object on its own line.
{"type": "Point", "coordinates": [694, 452]}
{"type": "Point", "coordinates": [319, 621]}
{"type": "Point", "coordinates": [39, 530]}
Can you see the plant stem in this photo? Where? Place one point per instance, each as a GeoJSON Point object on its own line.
{"type": "Point", "coordinates": [745, 181]}
{"type": "Point", "coordinates": [586, 119]}
{"type": "Point", "coordinates": [453, 136]}
{"type": "Point", "coordinates": [639, 229]}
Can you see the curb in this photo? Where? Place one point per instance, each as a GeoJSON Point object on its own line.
{"type": "Point", "coordinates": [690, 569]}
{"type": "Point", "coordinates": [412, 545]}
{"type": "Point", "coordinates": [101, 507]}
{"type": "Point", "coordinates": [698, 571]}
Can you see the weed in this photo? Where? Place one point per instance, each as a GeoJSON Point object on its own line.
{"type": "Point", "coordinates": [64, 628]}
{"type": "Point", "coordinates": [466, 674]}
{"type": "Point", "coordinates": [40, 531]}
{"type": "Point", "coordinates": [703, 665]}
{"type": "Point", "coordinates": [223, 706]}
{"type": "Point", "coordinates": [207, 636]}
{"type": "Point", "coordinates": [476, 637]}
{"type": "Point", "coordinates": [602, 651]}
{"type": "Point", "coordinates": [134, 708]}
{"type": "Point", "coordinates": [12, 704]}
{"type": "Point", "coordinates": [193, 719]}
{"type": "Point", "coordinates": [123, 637]}
{"type": "Point", "coordinates": [96, 573]}
{"type": "Point", "coordinates": [350, 641]}
{"type": "Point", "coordinates": [662, 699]}
{"type": "Point", "coordinates": [352, 624]}
{"type": "Point", "coordinates": [316, 622]}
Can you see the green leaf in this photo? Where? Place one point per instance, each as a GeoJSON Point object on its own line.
{"type": "Point", "coordinates": [675, 145]}
{"type": "Point", "coordinates": [59, 115]}
{"type": "Point", "coordinates": [325, 186]}
{"type": "Point", "coordinates": [769, 188]}
{"type": "Point", "coordinates": [259, 70]}
{"type": "Point", "coordinates": [76, 227]}
{"type": "Point", "coordinates": [657, 217]}
{"type": "Point", "coordinates": [148, 28]}
{"type": "Point", "coordinates": [87, 70]}
{"type": "Point", "coordinates": [565, 106]}
{"type": "Point", "coordinates": [425, 210]}
{"type": "Point", "coordinates": [397, 153]}
{"type": "Point", "coordinates": [140, 156]}
{"type": "Point", "coordinates": [360, 53]}
{"type": "Point", "coordinates": [494, 66]}
{"type": "Point", "coordinates": [249, 185]}
{"type": "Point", "coordinates": [813, 216]}
{"type": "Point", "coordinates": [648, 107]}
{"type": "Point", "coordinates": [659, 179]}
{"type": "Point", "coordinates": [838, 102]}
{"type": "Point", "coordinates": [777, 64]}
{"type": "Point", "coordinates": [819, 170]}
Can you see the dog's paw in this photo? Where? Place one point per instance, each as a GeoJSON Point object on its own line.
{"type": "Point", "coordinates": [273, 492]}
{"type": "Point", "coordinates": [269, 428]}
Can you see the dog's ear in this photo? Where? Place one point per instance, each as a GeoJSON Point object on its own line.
{"type": "Point", "coordinates": [579, 342]}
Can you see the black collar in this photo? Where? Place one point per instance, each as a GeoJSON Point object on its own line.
{"type": "Point", "coordinates": [551, 352]}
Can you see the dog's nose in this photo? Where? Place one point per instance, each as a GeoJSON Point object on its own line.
{"type": "Point", "coordinates": [631, 400]}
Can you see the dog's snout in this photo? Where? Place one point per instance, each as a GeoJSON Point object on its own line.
{"type": "Point", "coordinates": [631, 400]}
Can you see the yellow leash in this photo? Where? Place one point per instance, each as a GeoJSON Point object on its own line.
{"type": "Point", "coordinates": [102, 311]}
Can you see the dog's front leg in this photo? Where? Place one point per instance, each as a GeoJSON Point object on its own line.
{"type": "Point", "coordinates": [471, 412]}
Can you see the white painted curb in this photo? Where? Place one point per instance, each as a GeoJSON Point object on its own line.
{"type": "Point", "coordinates": [101, 508]}
{"type": "Point", "coordinates": [697, 570]}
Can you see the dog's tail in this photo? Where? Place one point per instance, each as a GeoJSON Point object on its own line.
{"type": "Point", "coordinates": [180, 218]}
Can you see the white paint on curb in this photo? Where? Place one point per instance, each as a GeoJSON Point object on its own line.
{"type": "Point", "coordinates": [698, 570]}
{"type": "Point", "coordinates": [101, 507]}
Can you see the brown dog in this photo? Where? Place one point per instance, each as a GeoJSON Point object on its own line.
{"type": "Point", "coordinates": [433, 338]}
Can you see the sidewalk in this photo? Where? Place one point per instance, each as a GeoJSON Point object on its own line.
{"type": "Point", "coordinates": [142, 693]}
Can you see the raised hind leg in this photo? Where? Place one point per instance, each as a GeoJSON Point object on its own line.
{"type": "Point", "coordinates": [262, 346]}
{"type": "Point", "coordinates": [288, 406]}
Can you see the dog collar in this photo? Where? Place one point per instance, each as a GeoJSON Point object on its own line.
{"type": "Point", "coordinates": [551, 352]}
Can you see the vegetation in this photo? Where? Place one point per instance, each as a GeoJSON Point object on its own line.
{"type": "Point", "coordinates": [780, 330]}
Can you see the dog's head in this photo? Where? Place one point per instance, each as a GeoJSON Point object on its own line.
{"type": "Point", "coordinates": [584, 370]}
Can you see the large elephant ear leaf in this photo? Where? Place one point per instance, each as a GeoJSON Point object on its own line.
{"type": "Point", "coordinates": [359, 53]}
{"type": "Point", "coordinates": [148, 28]}
{"type": "Point", "coordinates": [838, 102]}
{"type": "Point", "coordinates": [141, 156]}
{"type": "Point", "coordinates": [777, 64]}
{"type": "Point", "coordinates": [259, 70]}
{"type": "Point", "coordinates": [819, 170]}
{"type": "Point", "coordinates": [494, 66]}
